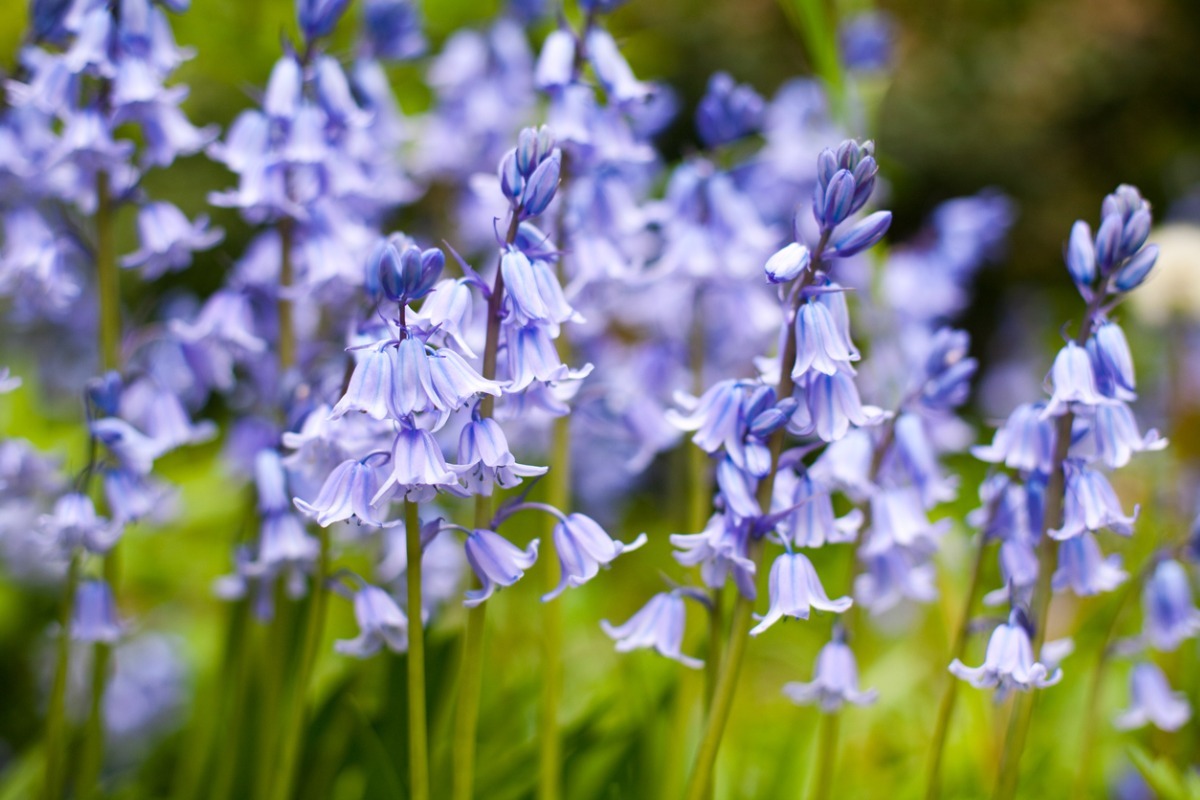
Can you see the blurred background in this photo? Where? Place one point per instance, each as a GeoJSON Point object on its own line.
{"type": "Point", "coordinates": [1052, 102]}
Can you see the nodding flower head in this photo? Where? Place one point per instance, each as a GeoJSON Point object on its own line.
{"type": "Point", "coordinates": [584, 547]}
{"type": "Point", "coordinates": [95, 617]}
{"type": "Point", "coordinates": [728, 111]}
{"type": "Point", "coordinates": [486, 460]}
{"type": "Point", "coordinates": [1170, 615]}
{"type": "Point", "coordinates": [349, 491]}
{"type": "Point", "coordinates": [496, 562]}
{"type": "Point", "coordinates": [1153, 702]}
{"type": "Point", "coordinates": [380, 622]}
{"type": "Point", "coordinates": [835, 681]}
{"type": "Point", "coordinates": [658, 625]}
{"type": "Point", "coordinates": [794, 589]}
{"type": "Point", "coordinates": [1009, 662]}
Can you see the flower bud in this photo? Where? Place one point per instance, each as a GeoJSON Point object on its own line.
{"type": "Point", "coordinates": [863, 235]}
{"type": "Point", "coordinates": [787, 264]}
{"type": "Point", "coordinates": [1081, 255]}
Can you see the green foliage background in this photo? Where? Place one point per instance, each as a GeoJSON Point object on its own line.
{"type": "Point", "coordinates": [1053, 101]}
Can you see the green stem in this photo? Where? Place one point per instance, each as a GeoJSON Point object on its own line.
{"type": "Point", "coordinates": [418, 745]}
{"type": "Point", "coordinates": [827, 747]}
{"type": "Point", "coordinates": [1022, 714]}
{"type": "Point", "coordinates": [945, 712]}
{"type": "Point", "coordinates": [558, 494]}
{"type": "Point", "coordinates": [470, 689]}
{"type": "Point", "coordinates": [470, 681]}
{"type": "Point", "coordinates": [56, 723]}
{"type": "Point", "coordinates": [818, 30]}
{"type": "Point", "coordinates": [107, 277]}
{"type": "Point", "coordinates": [228, 752]}
{"type": "Point", "coordinates": [314, 626]}
{"type": "Point", "coordinates": [108, 287]}
{"type": "Point", "coordinates": [287, 331]}
{"type": "Point", "coordinates": [739, 629]}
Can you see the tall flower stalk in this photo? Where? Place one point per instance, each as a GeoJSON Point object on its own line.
{"type": "Point", "coordinates": [1058, 448]}
{"type": "Point", "coordinates": [815, 394]}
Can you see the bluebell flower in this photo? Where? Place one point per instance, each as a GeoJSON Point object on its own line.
{"type": "Point", "coordinates": [37, 263]}
{"type": "Point", "coordinates": [134, 449]}
{"type": "Point", "coordinates": [371, 385]}
{"type": "Point", "coordinates": [285, 547]}
{"type": "Point", "coordinates": [95, 615]}
{"type": "Point", "coordinates": [392, 29]}
{"type": "Point", "coordinates": [658, 625]}
{"type": "Point", "coordinates": [830, 406]}
{"type": "Point", "coordinates": [531, 356]}
{"type": "Point", "coordinates": [728, 111]}
{"type": "Point", "coordinates": [612, 70]}
{"type": "Point", "coordinates": [380, 623]}
{"type": "Point", "coordinates": [892, 576]}
{"type": "Point", "coordinates": [349, 491]}
{"type": "Point", "coordinates": [1153, 702]}
{"type": "Point", "coordinates": [1091, 504]}
{"type": "Point", "coordinates": [146, 692]}
{"type": "Point", "coordinates": [1170, 615]}
{"type": "Point", "coordinates": [161, 415]}
{"type": "Point", "coordinates": [1111, 436]}
{"type": "Point", "coordinates": [866, 41]}
{"type": "Point", "coordinates": [1025, 442]}
{"type": "Point", "coordinates": [486, 461]}
{"type": "Point", "coordinates": [835, 681]}
{"type": "Point", "coordinates": [132, 495]}
{"type": "Point", "coordinates": [1009, 662]}
{"type": "Point", "coordinates": [812, 523]}
{"type": "Point", "coordinates": [1081, 255]}
{"type": "Point", "coordinates": [863, 235]}
{"type": "Point", "coordinates": [318, 17]}
{"type": "Point", "coordinates": [1124, 226]}
{"type": "Point", "coordinates": [447, 313]}
{"type": "Point", "coordinates": [821, 344]}
{"type": "Point", "coordinates": [404, 272]}
{"type": "Point", "coordinates": [1083, 568]}
{"type": "Point", "coordinates": [8, 381]}
{"type": "Point", "coordinates": [898, 518]}
{"type": "Point", "coordinates": [737, 490]}
{"type": "Point", "coordinates": [583, 547]}
{"type": "Point", "coordinates": [1073, 382]}
{"type": "Point", "coordinates": [788, 263]}
{"type": "Point", "coordinates": [75, 523]}
{"type": "Point", "coordinates": [1112, 362]}
{"type": "Point", "coordinates": [532, 292]}
{"type": "Point", "coordinates": [946, 383]}
{"type": "Point", "coordinates": [719, 550]}
{"type": "Point", "coordinates": [795, 588]}
{"type": "Point", "coordinates": [541, 186]}
{"type": "Point", "coordinates": [496, 562]}
{"type": "Point", "coordinates": [1135, 271]}
{"type": "Point", "coordinates": [556, 63]}
{"type": "Point", "coordinates": [915, 456]}
{"type": "Point", "coordinates": [418, 468]}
